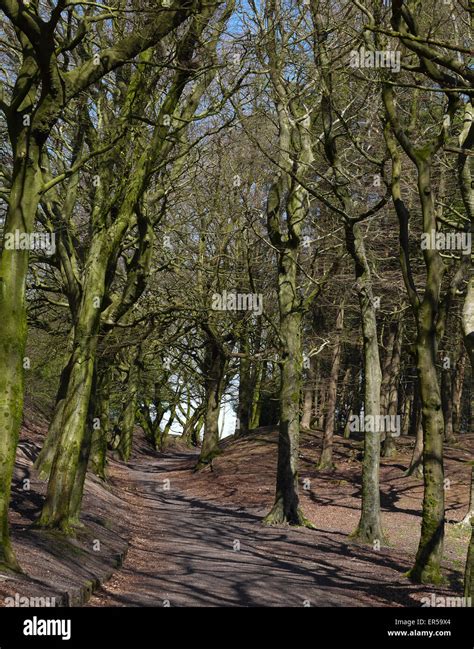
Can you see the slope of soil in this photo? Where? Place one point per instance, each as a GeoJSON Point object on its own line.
{"type": "Point", "coordinates": [59, 571]}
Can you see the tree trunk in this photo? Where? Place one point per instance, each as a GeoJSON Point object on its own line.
{"type": "Point", "coordinates": [307, 407]}
{"type": "Point", "coordinates": [447, 403]}
{"type": "Point", "coordinates": [101, 435]}
{"type": "Point", "coordinates": [468, 321]}
{"type": "Point", "coordinates": [356, 404]}
{"type": "Point", "coordinates": [57, 508]}
{"type": "Point", "coordinates": [166, 430]}
{"type": "Point", "coordinates": [308, 395]}
{"type": "Point", "coordinates": [286, 506]}
{"type": "Point", "coordinates": [321, 405]}
{"type": "Point", "coordinates": [81, 473]}
{"type": "Point", "coordinates": [430, 550]}
{"type": "Point", "coordinates": [469, 517]}
{"type": "Point", "coordinates": [387, 363]}
{"type": "Point", "coordinates": [128, 414]}
{"type": "Point", "coordinates": [45, 459]}
{"type": "Point", "coordinates": [416, 464]}
{"type": "Point", "coordinates": [346, 394]}
{"type": "Point", "coordinates": [245, 388]}
{"type": "Point", "coordinates": [458, 385]}
{"type": "Point", "coordinates": [389, 447]}
{"type": "Point", "coordinates": [469, 572]}
{"type": "Point", "coordinates": [407, 408]}
{"type": "Point", "coordinates": [23, 203]}
{"type": "Point", "coordinates": [216, 365]}
{"type": "Point", "coordinates": [326, 460]}
{"type": "Point", "coordinates": [370, 526]}
{"type": "Point", "coordinates": [191, 427]}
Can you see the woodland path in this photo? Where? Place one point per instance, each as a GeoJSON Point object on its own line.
{"type": "Point", "coordinates": [182, 552]}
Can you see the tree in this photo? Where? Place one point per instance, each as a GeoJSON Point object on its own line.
{"type": "Point", "coordinates": [44, 86]}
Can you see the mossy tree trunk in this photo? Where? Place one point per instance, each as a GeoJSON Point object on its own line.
{"type": "Point", "coordinates": [45, 459]}
{"type": "Point", "coordinates": [326, 462]}
{"type": "Point", "coordinates": [101, 435]}
{"type": "Point", "coordinates": [391, 408]}
{"type": "Point", "coordinates": [288, 199]}
{"type": "Point", "coordinates": [416, 463]}
{"type": "Point", "coordinates": [192, 427]}
{"type": "Point", "coordinates": [458, 385]}
{"type": "Point", "coordinates": [286, 507]}
{"type": "Point", "coordinates": [128, 415]}
{"type": "Point", "coordinates": [256, 408]}
{"type": "Point", "coordinates": [40, 93]}
{"type": "Point", "coordinates": [430, 550]}
{"type": "Point", "coordinates": [245, 386]}
{"type": "Point", "coordinates": [369, 528]}
{"type": "Point", "coordinates": [215, 372]}
{"type": "Point", "coordinates": [57, 508]}
{"type": "Point", "coordinates": [98, 272]}
{"type": "Point", "coordinates": [84, 455]}
{"type": "Point", "coordinates": [430, 312]}
{"type": "Point", "coordinates": [447, 402]}
{"type": "Point", "coordinates": [23, 203]}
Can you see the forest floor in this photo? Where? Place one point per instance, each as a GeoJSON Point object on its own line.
{"type": "Point", "coordinates": [196, 539]}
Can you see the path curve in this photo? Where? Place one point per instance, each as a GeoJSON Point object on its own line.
{"type": "Point", "coordinates": [188, 552]}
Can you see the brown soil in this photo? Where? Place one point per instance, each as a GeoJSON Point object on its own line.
{"type": "Point", "coordinates": [198, 540]}
{"type": "Point", "coordinates": [63, 572]}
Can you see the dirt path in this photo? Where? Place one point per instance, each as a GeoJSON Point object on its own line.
{"type": "Point", "coordinates": [190, 552]}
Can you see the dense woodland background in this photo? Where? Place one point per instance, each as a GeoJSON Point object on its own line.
{"type": "Point", "coordinates": [187, 156]}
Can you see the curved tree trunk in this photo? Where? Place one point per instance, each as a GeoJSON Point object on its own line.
{"type": "Point", "coordinates": [192, 426]}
